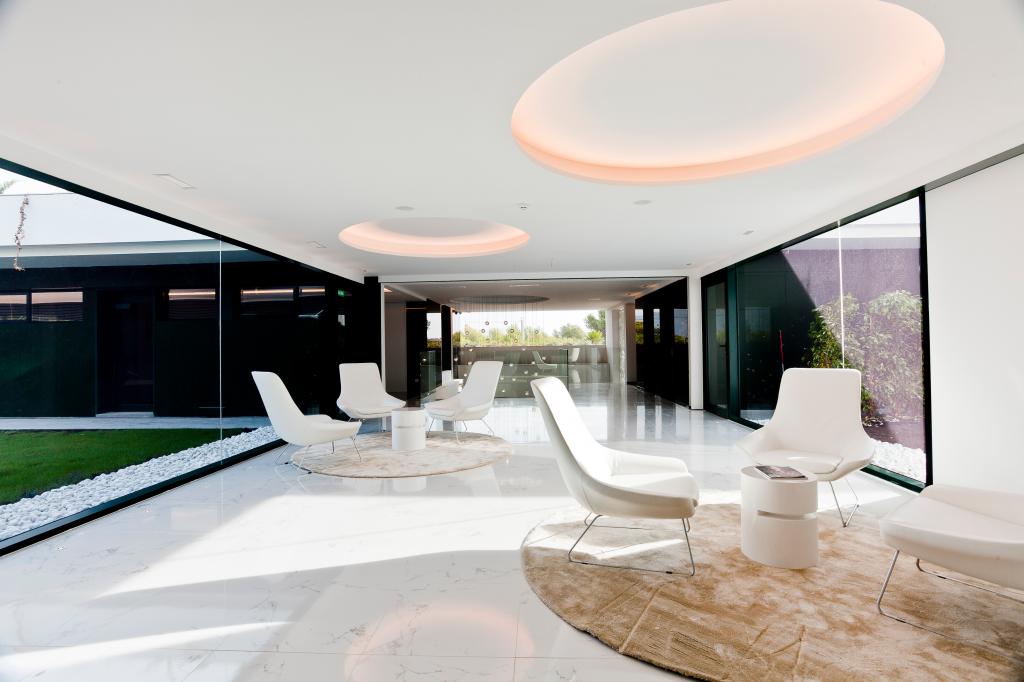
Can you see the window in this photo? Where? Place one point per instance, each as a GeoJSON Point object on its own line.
{"type": "Point", "coordinates": [192, 304]}
{"type": "Point", "coordinates": [276, 302]}
{"type": "Point", "coordinates": [848, 297]}
{"type": "Point", "coordinates": [13, 307]}
{"type": "Point", "coordinates": [312, 302]}
{"type": "Point", "coordinates": [57, 306]}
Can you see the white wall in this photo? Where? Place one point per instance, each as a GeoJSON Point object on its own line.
{"type": "Point", "coordinates": [975, 233]}
{"type": "Point", "coordinates": [394, 348]}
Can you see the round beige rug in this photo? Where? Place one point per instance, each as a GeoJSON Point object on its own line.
{"type": "Point", "coordinates": [740, 620]}
{"type": "Point", "coordinates": [375, 459]}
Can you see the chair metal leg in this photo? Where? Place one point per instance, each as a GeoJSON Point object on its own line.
{"type": "Point", "coordinates": [356, 447]}
{"type": "Point", "coordinates": [488, 426]}
{"type": "Point", "coordinates": [431, 424]}
{"type": "Point", "coordinates": [919, 626]}
{"type": "Point", "coordinates": [455, 428]}
{"type": "Point", "coordinates": [279, 460]}
{"type": "Point", "coordinates": [856, 506]}
{"type": "Point", "coordinates": [304, 451]}
{"type": "Point", "coordinates": [588, 526]}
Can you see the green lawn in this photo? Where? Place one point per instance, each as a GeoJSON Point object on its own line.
{"type": "Point", "coordinates": [32, 462]}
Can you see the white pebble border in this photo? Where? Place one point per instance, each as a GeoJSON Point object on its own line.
{"type": "Point", "coordinates": [32, 512]}
{"type": "Point", "coordinates": [900, 458]}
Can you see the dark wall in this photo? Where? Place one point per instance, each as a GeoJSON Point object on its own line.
{"type": "Point", "coordinates": [50, 368]}
{"type": "Point", "coordinates": [663, 361]}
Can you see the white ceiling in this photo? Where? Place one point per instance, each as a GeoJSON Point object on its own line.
{"type": "Point", "coordinates": [562, 294]}
{"type": "Point", "coordinates": [295, 121]}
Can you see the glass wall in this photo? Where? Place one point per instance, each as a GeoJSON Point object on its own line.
{"type": "Point", "coordinates": [849, 297]}
{"type": "Point", "coordinates": [126, 347]}
{"type": "Point", "coordinates": [716, 348]}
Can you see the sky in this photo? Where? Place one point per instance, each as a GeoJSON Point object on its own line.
{"type": "Point", "coordinates": [23, 185]}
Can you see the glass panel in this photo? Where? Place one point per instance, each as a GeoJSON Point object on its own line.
{"type": "Point", "coordinates": [155, 371]}
{"type": "Point", "coordinates": [13, 306]}
{"type": "Point", "coordinates": [881, 261]}
{"type": "Point", "coordinates": [716, 343]}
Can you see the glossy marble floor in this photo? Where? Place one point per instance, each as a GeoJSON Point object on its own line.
{"type": "Point", "coordinates": [263, 573]}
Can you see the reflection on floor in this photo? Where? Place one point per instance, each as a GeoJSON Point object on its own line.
{"type": "Point", "coordinates": [261, 572]}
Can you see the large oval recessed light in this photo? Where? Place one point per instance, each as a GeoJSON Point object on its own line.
{"type": "Point", "coordinates": [434, 237]}
{"type": "Point", "coordinates": [726, 88]}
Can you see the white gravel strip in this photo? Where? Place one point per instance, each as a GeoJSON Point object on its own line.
{"type": "Point", "coordinates": [33, 512]}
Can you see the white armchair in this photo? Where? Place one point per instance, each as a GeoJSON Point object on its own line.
{"type": "Point", "coordinates": [609, 482]}
{"type": "Point", "coordinates": [474, 401]}
{"type": "Point", "coordinates": [362, 392]}
{"type": "Point", "coordinates": [816, 428]}
{"type": "Point", "coordinates": [979, 533]}
{"type": "Point", "coordinates": [294, 427]}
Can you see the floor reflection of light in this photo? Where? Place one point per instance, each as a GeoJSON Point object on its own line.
{"type": "Point", "coordinates": [62, 657]}
{"type": "Point", "coordinates": [340, 531]}
{"type": "Point", "coordinates": [453, 620]}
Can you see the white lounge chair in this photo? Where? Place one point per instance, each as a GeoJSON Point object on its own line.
{"type": "Point", "coordinates": [816, 428]}
{"type": "Point", "coordinates": [294, 427]}
{"type": "Point", "coordinates": [362, 392]}
{"type": "Point", "coordinates": [979, 533]}
{"type": "Point", "coordinates": [609, 482]}
{"type": "Point", "coordinates": [475, 399]}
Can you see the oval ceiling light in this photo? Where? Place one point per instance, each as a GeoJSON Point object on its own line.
{"type": "Point", "coordinates": [434, 237]}
{"type": "Point", "coordinates": [727, 88]}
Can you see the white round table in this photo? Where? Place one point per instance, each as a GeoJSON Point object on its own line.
{"type": "Point", "coordinates": [408, 428]}
{"type": "Point", "coordinates": [779, 520]}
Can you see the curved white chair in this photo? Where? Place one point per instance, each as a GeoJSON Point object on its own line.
{"type": "Point", "coordinates": [293, 426]}
{"type": "Point", "coordinates": [979, 533]}
{"type": "Point", "coordinates": [541, 364]}
{"type": "Point", "coordinates": [609, 482]}
{"type": "Point", "coordinates": [816, 428]}
{"type": "Point", "coordinates": [362, 392]}
{"type": "Point", "coordinates": [475, 399]}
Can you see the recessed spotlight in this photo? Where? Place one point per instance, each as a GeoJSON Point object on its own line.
{"type": "Point", "coordinates": [523, 206]}
{"type": "Point", "coordinates": [642, 202]}
{"type": "Point", "coordinates": [404, 208]}
{"type": "Point", "coordinates": [749, 232]}
{"type": "Point", "coordinates": [521, 286]}
{"type": "Point", "coordinates": [174, 181]}
{"type": "Point", "coordinates": [316, 245]}
{"type": "Point", "coordinates": [689, 264]}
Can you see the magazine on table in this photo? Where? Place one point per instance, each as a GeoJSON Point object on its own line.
{"type": "Point", "coordinates": [780, 473]}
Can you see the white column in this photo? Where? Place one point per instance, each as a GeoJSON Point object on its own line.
{"type": "Point", "coordinates": [696, 316]}
{"type": "Point", "coordinates": [629, 337]}
{"type": "Point", "coordinates": [613, 339]}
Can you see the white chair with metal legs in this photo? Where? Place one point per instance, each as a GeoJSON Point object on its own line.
{"type": "Point", "coordinates": [978, 533]}
{"type": "Point", "coordinates": [473, 402]}
{"type": "Point", "coordinates": [294, 427]}
{"type": "Point", "coordinates": [362, 392]}
{"type": "Point", "coordinates": [816, 428]}
{"type": "Point", "coordinates": [609, 482]}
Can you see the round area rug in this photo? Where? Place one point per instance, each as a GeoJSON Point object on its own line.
{"type": "Point", "coordinates": [375, 459]}
{"type": "Point", "coordinates": [740, 620]}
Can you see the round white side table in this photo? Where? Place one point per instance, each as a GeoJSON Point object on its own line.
{"type": "Point", "coordinates": [408, 428]}
{"type": "Point", "coordinates": [778, 520]}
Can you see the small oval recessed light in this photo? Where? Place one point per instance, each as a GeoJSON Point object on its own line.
{"type": "Point", "coordinates": [749, 232]}
{"type": "Point", "coordinates": [404, 208]}
{"type": "Point", "coordinates": [689, 264]}
{"type": "Point", "coordinates": [642, 202]}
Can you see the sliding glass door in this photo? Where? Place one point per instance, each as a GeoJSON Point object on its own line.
{"type": "Point", "coordinates": [716, 346]}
